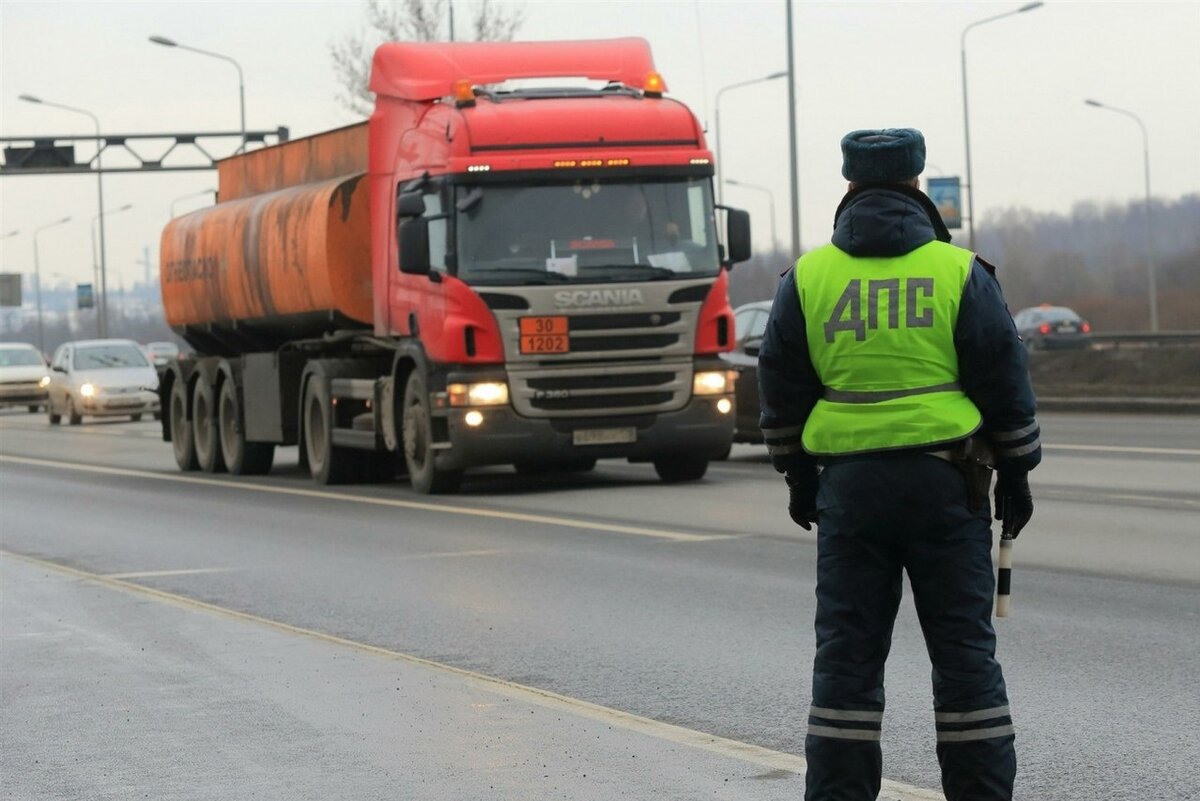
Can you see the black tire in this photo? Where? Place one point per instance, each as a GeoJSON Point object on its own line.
{"type": "Point", "coordinates": [327, 464]}
{"type": "Point", "coordinates": [55, 419]}
{"type": "Point", "coordinates": [158, 415]}
{"type": "Point", "coordinates": [205, 432]}
{"type": "Point", "coordinates": [241, 458]}
{"type": "Point", "coordinates": [423, 472]}
{"type": "Point", "coordinates": [73, 417]}
{"type": "Point", "coordinates": [137, 418]}
{"type": "Point", "coordinates": [34, 408]}
{"type": "Point", "coordinates": [183, 443]}
{"type": "Point", "coordinates": [683, 467]}
{"type": "Point", "coordinates": [724, 455]}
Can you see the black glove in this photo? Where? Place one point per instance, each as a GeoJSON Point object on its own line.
{"type": "Point", "coordinates": [802, 498]}
{"type": "Point", "coordinates": [1014, 502]}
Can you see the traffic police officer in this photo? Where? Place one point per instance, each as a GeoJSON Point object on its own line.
{"type": "Point", "coordinates": [890, 363]}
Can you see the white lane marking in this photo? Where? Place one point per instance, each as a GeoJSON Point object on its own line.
{"type": "Point", "coordinates": [734, 749]}
{"type": "Point", "coordinates": [1122, 449]}
{"type": "Point", "coordinates": [450, 554]}
{"type": "Point", "coordinates": [157, 573]}
{"type": "Point", "coordinates": [495, 514]}
{"type": "Point", "coordinates": [1093, 495]}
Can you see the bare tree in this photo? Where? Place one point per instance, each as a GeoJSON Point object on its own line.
{"type": "Point", "coordinates": [408, 21]}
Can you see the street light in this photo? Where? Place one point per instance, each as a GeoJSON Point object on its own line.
{"type": "Point", "coordinates": [37, 277]}
{"type": "Point", "coordinates": [189, 197]}
{"type": "Point", "coordinates": [1150, 267]}
{"type": "Point", "coordinates": [717, 115]}
{"type": "Point", "coordinates": [165, 42]}
{"type": "Point", "coordinates": [770, 200]}
{"type": "Point", "coordinates": [966, 118]}
{"type": "Point", "coordinates": [102, 328]}
{"type": "Point", "coordinates": [103, 319]}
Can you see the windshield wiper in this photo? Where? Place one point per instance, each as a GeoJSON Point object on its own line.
{"type": "Point", "coordinates": [639, 271]}
{"type": "Point", "coordinates": [538, 276]}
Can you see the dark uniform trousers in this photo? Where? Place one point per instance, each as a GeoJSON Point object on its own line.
{"type": "Point", "coordinates": [879, 517]}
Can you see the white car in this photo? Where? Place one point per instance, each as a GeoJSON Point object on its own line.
{"type": "Point", "coordinates": [101, 378]}
{"type": "Point", "coordinates": [23, 376]}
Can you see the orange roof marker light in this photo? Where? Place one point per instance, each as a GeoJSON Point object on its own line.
{"type": "Point", "coordinates": [464, 93]}
{"type": "Point", "coordinates": [654, 85]}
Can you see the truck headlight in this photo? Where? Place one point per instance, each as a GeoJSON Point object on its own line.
{"type": "Point", "coordinates": [485, 393]}
{"type": "Point", "coordinates": [713, 382]}
{"type": "Point", "coordinates": [87, 390]}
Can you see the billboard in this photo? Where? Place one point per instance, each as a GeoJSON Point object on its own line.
{"type": "Point", "coordinates": [946, 194]}
{"type": "Point", "coordinates": [10, 289]}
{"type": "Point", "coordinates": [84, 297]}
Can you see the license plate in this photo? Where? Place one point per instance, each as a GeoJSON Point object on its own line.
{"type": "Point", "coordinates": [544, 335]}
{"type": "Point", "coordinates": [1067, 329]}
{"type": "Point", "coordinates": [604, 436]}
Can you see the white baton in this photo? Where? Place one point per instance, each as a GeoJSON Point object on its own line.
{"type": "Point", "coordinates": [1004, 576]}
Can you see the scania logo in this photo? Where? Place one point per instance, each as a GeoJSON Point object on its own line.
{"type": "Point", "coordinates": [583, 298]}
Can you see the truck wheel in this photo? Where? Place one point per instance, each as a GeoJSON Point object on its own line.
{"type": "Point", "coordinates": [423, 471]}
{"type": "Point", "coordinates": [182, 442]}
{"type": "Point", "coordinates": [683, 467]}
{"type": "Point", "coordinates": [241, 458]}
{"type": "Point", "coordinates": [73, 417]}
{"type": "Point", "coordinates": [326, 463]}
{"type": "Point", "coordinates": [204, 428]}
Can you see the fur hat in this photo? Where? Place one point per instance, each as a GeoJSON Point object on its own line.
{"type": "Point", "coordinates": [887, 156]}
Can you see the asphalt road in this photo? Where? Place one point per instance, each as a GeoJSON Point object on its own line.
{"type": "Point", "coordinates": [688, 604]}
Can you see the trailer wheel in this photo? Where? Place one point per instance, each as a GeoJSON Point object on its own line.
{"type": "Point", "coordinates": [204, 428]}
{"type": "Point", "coordinates": [326, 463]}
{"type": "Point", "coordinates": [682, 467]}
{"type": "Point", "coordinates": [423, 472]}
{"type": "Point", "coordinates": [241, 458]}
{"type": "Point", "coordinates": [182, 442]}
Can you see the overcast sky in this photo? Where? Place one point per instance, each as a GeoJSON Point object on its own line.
{"type": "Point", "coordinates": [1034, 142]}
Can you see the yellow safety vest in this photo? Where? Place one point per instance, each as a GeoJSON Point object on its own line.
{"type": "Point", "coordinates": [881, 336]}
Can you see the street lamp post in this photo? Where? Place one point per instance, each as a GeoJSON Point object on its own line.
{"type": "Point", "coordinates": [165, 42]}
{"type": "Point", "coordinates": [966, 117]}
{"type": "Point", "coordinates": [1150, 266]}
{"type": "Point", "coordinates": [717, 117]}
{"type": "Point", "coordinates": [770, 200]}
{"type": "Point", "coordinates": [37, 278]}
{"type": "Point", "coordinates": [189, 197]}
{"type": "Point", "coordinates": [103, 319]}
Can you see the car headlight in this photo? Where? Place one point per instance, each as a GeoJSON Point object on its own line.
{"type": "Point", "coordinates": [713, 382]}
{"type": "Point", "coordinates": [485, 393]}
{"type": "Point", "coordinates": [87, 390]}
{"type": "Point", "coordinates": [44, 381]}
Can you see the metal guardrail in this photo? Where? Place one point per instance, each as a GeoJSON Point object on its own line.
{"type": "Point", "coordinates": [1117, 339]}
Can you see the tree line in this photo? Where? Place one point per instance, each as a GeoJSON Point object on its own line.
{"type": "Point", "coordinates": [1092, 259]}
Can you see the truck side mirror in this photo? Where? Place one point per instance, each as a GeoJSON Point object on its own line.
{"type": "Point", "coordinates": [737, 235]}
{"type": "Point", "coordinates": [412, 236]}
{"type": "Point", "coordinates": [410, 204]}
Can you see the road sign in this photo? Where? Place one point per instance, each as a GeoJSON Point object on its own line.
{"type": "Point", "coordinates": [10, 289]}
{"type": "Point", "coordinates": [84, 296]}
{"type": "Point", "coordinates": [946, 194]}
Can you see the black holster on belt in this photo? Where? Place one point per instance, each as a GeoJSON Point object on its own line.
{"type": "Point", "coordinates": [974, 458]}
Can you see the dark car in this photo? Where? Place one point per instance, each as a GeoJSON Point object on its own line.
{"type": "Point", "coordinates": [750, 323]}
{"type": "Point", "coordinates": [1045, 327]}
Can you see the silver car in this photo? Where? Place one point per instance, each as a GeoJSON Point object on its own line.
{"type": "Point", "coordinates": [101, 378]}
{"type": "Point", "coordinates": [23, 376]}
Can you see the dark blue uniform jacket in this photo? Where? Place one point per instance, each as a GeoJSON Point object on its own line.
{"type": "Point", "coordinates": [880, 221]}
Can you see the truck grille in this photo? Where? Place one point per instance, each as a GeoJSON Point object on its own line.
{"type": "Point", "coordinates": [601, 389]}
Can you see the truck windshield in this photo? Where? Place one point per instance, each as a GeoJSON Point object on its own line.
{"type": "Point", "coordinates": [586, 232]}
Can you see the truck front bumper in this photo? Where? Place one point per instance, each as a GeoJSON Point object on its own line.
{"type": "Point", "coordinates": [504, 437]}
